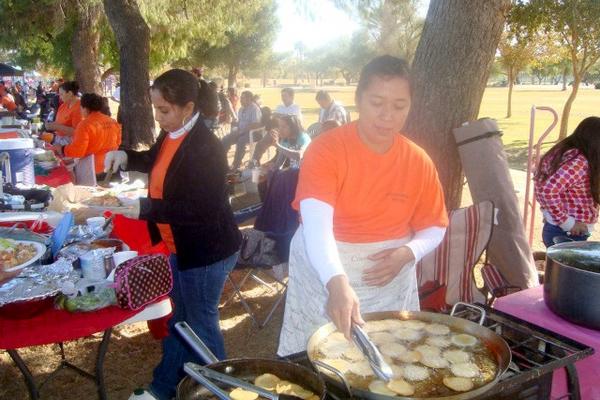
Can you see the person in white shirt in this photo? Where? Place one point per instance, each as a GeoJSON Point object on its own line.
{"type": "Point", "coordinates": [288, 107]}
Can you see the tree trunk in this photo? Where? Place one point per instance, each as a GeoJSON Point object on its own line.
{"type": "Point", "coordinates": [511, 83]}
{"type": "Point", "coordinates": [133, 41]}
{"type": "Point", "coordinates": [564, 78]}
{"type": "Point", "coordinates": [564, 119]}
{"type": "Point", "coordinates": [85, 47]}
{"type": "Point", "coordinates": [232, 72]}
{"type": "Point", "coordinates": [450, 72]}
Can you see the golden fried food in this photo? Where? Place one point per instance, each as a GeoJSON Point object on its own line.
{"type": "Point", "coordinates": [267, 381]}
{"type": "Point", "coordinates": [379, 387]}
{"type": "Point", "coordinates": [458, 384]}
{"type": "Point", "coordinates": [241, 394]}
{"type": "Point", "coordinates": [401, 387]}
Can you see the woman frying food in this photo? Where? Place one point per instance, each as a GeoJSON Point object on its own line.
{"type": "Point", "coordinates": [371, 206]}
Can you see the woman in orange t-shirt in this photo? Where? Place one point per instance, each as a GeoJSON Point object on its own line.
{"type": "Point", "coordinates": [371, 206]}
{"type": "Point", "coordinates": [68, 114]}
{"type": "Point", "coordinates": [97, 133]}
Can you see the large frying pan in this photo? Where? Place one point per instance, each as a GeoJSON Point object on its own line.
{"type": "Point", "coordinates": [497, 346]}
{"type": "Point", "coordinates": [243, 368]}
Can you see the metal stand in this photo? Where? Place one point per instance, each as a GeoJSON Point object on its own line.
{"type": "Point", "coordinates": [97, 377]}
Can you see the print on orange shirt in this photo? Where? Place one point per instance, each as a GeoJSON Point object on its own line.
{"type": "Point", "coordinates": [157, 180]}
{"type": "Point", "coordinates": [375, 197]}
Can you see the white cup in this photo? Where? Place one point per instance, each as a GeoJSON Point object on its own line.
{"type": "Point", "coordinates": [92, 267]}
{"type": "Point", "coordinates": [256, 175]}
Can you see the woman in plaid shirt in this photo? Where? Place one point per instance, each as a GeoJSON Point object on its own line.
{"type": "Point", "coordinates": [567, 185]}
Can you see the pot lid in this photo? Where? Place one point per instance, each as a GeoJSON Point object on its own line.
{"type": "Point", "coordinates": [581, 255]}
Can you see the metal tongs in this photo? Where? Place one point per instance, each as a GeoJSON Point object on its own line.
{"type": "Point", "coordinates": [209, 374]}
{"type": "Point", "coordinates": [376, 361]}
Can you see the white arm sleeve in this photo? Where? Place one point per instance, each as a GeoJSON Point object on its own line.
{"type": "Point", "coordinates": [425, 241]}
{"type": "Point", "coordinates": [317, 224]}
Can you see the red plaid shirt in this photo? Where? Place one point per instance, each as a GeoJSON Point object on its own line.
{"type": "Point", "coordinates": [565, 196]}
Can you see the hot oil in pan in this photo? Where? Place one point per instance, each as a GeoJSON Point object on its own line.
{"type": "Point", "coordinates": [432, 386]}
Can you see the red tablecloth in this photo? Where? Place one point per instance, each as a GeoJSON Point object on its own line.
{"type": "Point", "coordinates": [53, 326]}
{"type": "Point", "coordinates": [529, 305]}
{"type": "Point", "coordinates": [57, 177]}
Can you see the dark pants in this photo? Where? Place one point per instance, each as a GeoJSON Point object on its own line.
{"type": "Point", "coordinates": [196, 294]}
{"type": "Point", "coordinates": [552, 234]}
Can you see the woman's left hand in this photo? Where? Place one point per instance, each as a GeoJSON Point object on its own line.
{"type": "Point", "coordinates": [391, 262]}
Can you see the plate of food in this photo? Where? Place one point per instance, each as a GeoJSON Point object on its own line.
{"type": "Point", "coordinates": [18, 254]}
{"type": "Point", "coordinates": [105, 202]}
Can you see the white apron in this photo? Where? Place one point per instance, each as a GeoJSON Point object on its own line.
{"type": "Point", "coordinates": [306, 297]}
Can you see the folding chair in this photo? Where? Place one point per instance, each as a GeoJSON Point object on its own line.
{"type": "Point", "coordinates": [274, 270]}
{"type": "Point", "coordinates": [446, 275]}
{"type": "Point", "coordinates": [495, 284]}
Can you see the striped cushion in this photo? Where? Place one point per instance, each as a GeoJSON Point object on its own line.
{"type": "Point", "coordinates": [451, 264]}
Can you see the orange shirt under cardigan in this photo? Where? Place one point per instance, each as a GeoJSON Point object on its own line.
{"type": "Point", "coordinates": [157, 179]}
{"type": "Point", "coordinates": [375, 197]}
{"type": "Point", "coordinates": [8, 102]}
{"type": "Point", "coordinates": [97, 134]}
{"type": "Point", "coordinates": [69, 116]}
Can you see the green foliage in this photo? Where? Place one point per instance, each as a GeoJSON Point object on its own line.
{"type": "Point", "coordinates": [246, 41]}
{"type": "Point", "coordinates": [393, 25]}
{"type": "Point", "coordinates": [39, 33]}
{"type": "Point", "coordinates": [574, 24]}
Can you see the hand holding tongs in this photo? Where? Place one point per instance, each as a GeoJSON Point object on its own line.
{"type": "Point", "coordinates": [208, 374]}
{"type": "Point", "coordinates": [378, 364]}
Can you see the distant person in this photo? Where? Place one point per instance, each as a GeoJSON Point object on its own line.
{"type": "Point", "coordinates": [232, 95]}
{"type": "Point", "coordinates": [288, 107]}
{"type": "Point", "coordinates": [7, 101]}
{"type": "Point", "coordinates": [209, 105]}
{"type": "Point", "coordinates": [116, 94]}
{"type": "Point", "coordinates": [19, 97]}
{"type": "Point", "coordinates": [96, 134]}
{"type": "Point", "coordinates": [197, 72]}
{"type": "Point", "coordinates": [249, 117]}
{"type": "Point", "coordinates": [568, 185]}
{"type": "Point", "coordinates": [68, 114]}
{"type": "Point", "coordinates": [227, 114]}
{"type": "Point", "coordinates": [331, 109]}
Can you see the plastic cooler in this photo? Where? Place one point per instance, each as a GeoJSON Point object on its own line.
{"type": "Point", "coordinates": [20, 152]}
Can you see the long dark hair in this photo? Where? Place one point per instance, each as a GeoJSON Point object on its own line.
{"type": "Point", "coordinates": [586, 139]}
{"type": "Point", "coordinates": [179, 87]}
{"type": "Point", "coordinates": [293, 122]}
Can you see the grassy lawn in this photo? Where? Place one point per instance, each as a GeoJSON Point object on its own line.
{"type": "Point", "coordinates": [516, 128]}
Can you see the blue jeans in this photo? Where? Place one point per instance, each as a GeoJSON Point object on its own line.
{"type": "Point", "coordinates": [196, 294]}
{"type": "Point", "coordinates": [549, 232]}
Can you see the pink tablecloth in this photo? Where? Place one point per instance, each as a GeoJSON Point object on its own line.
{"type": "Point", "coordinates": [529, 305]}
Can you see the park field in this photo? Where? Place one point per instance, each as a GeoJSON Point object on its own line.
{"type": "Point", "coordinates": [515, 129]}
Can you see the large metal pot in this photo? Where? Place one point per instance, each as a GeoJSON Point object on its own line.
{"type": "Point", "coordinates": [495, 344]}
{"type": "Point", "coordinates": [572, 282]}
{"type": "Point", "coordinates": [246, 369]}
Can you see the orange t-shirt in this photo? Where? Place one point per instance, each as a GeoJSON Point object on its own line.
{"type": "Point", "coordinates": [157, 179]}
{"type": "Point", "coordinates": [8, 102]}
{"type": "Point", "coordinates": [69, 116]}
{"type": "Point", "coordinates": [97, 134]}
{"type": "Point", "coordinates": [375, 197]}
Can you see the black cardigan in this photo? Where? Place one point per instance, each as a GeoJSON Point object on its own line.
{"type": "Point", "coordinates": [195, 199]}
